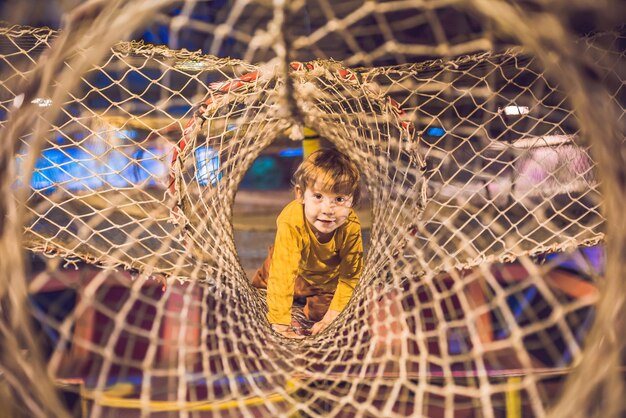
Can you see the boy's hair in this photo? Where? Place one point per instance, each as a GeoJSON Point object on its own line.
{"type": "Point", "coordinates": [332, 171]}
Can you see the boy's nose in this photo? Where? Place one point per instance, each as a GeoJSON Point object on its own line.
{"type": "Point", "coordinates": [327, 206]}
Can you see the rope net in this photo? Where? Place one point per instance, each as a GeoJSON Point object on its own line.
{"type": "Point", "coordinates": [493, 182]}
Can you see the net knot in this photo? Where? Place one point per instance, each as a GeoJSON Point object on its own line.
{"type": "Point", "coordinates": [296, 133]}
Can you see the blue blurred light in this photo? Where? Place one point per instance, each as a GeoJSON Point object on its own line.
{"type": "Point", "coordinates": [291, 152]}
{"type": "Point", "coordinates": [126, 134]}
{"type": "Point", "coordinates": [594, 257]}
{"type": "Point", "coordinates": [115, 170]}
{"type": "Point", "coordinates": [147, 167]}
{"type": "Point", "coordinates": [435, 131]}
{"type": "Point", "coordinates": [72, 167]}
{"type": "Point", "coordinates": [76, 169]}
{"type": "Point", "coordinates": [207, 166]}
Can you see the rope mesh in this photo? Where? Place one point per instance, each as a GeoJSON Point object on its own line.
{"type": "Point", "coordinates": [486, 258]}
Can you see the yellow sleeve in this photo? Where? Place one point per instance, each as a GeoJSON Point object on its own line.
{"type": "Point", "coordinates": [350, 268]}
{"type": "Point", "coordinates": [283, 272]}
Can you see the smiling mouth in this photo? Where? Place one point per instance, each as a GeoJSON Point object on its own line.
{"type": "Point", "coordinates": [325, 221]}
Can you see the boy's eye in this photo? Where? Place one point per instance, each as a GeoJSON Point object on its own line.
{"type": "Point", "coordinates": [340, 199]}
{"type": "Point", "coordinates": [317, 196]}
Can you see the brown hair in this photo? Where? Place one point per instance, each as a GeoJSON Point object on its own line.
{"type": "Point", "coordinates": [332, 171]}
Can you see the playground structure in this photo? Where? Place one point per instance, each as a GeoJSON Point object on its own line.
{"type": "Point", "coordinates": [492, 273]}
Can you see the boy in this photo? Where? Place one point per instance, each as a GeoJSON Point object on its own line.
{"type": "Point", "coordinates": [318, 251]}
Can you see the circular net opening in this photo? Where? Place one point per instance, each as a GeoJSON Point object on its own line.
{"type": "Point", "coordinates": [492, 283]}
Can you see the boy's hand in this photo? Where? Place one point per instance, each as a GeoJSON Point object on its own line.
{"type": "Point", "coordinates": [286, 331]}
{"type": "Point", "coordinates": [325, 322]}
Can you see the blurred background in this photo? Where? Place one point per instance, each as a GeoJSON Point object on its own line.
{"type": "Point", "coordinates": [266, 187]}
{"type": "Point", "coordinates": [137, 154]}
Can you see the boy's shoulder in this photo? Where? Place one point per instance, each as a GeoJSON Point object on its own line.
{"type": "Point", "coordinates": [292, 214]}
{"type": "Point", "coordinates": [354, 224]}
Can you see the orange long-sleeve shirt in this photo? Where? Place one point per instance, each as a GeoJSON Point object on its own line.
{"type": "Point", "coordinates": [336, 264]}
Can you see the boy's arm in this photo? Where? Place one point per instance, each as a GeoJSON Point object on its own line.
{"type": "Point", "coordinates": [349, 274]}
{"type": "Point", "coordinates": [325, 321]}
{"type": "Point", "coordinates": [283, 272]}
{"type": "Point", "coordinates": [349, 270]}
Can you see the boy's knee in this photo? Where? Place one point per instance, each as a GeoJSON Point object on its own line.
{"type": "Point", "coordinates": [259, 280]}
{"type": "Point", "coordinates": [260, 277]}
{"type": "Point", "coordinates": [314, 314]}
{"type": "Point", "coordinates": [317, 306]}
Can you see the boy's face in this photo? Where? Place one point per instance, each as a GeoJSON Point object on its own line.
{"type": "Point", "coordinates": [324, 210]}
